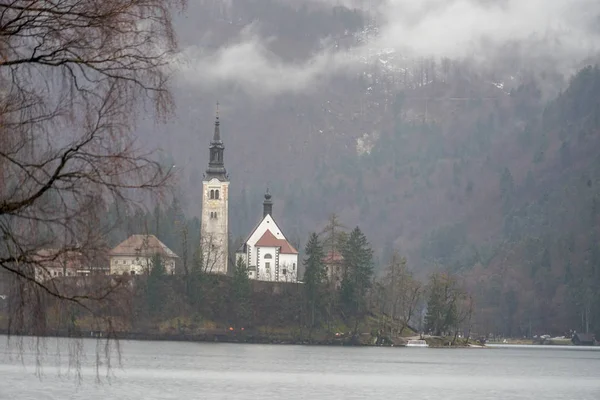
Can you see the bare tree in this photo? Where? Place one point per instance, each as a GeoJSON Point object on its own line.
{"type": "Point", "coordinates": [74, 74]}
{"type": "Point", "coordinates": [211, 253]}
{"type": "Point", "coordinates": [402, 293]}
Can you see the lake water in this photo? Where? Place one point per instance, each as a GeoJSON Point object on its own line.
{"type": "Point", "coordinates": [177, 370]}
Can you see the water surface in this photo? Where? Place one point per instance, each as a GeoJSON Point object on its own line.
{"type": "Point", "coordinates": [177, 370]}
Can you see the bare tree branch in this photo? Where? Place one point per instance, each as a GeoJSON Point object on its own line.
{"type": "Point", "coordinates": [74, 75]}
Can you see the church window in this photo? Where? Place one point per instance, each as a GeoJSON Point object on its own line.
{"type": "Point", "coordinates": [217, 194]}
{"type": "Point", "coordinates": [268, 255]}
{"type": "Point", "coordinates": [212, 194]}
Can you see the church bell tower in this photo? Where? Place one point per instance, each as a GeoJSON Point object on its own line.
{"type": "Point", "coordinates": [215, 208]}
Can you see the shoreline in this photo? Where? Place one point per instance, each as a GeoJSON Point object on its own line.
{"type": "Point", "coordinates": [226, 337]}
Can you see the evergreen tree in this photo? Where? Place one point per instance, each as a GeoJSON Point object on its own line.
{"type": "Point", "coordinates": [241, 292]}
{"type": "Point", "coordinates": [334, 235]}
{"type": "Point", "coordinates": [357, 274]}
{"type": "Point", "coordinates": [314, 277]}
{"type": "Point", "coordinates": [442, 304]}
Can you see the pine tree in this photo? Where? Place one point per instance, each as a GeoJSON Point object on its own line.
{"type": "Point", "coordinates": [357, 274]}
{"type": "Point", "coordinates": [314, 277]}
{"type": "Point", "coordinates": [442, 304]}
{"type": "Point", "coordinates": [335, 235]}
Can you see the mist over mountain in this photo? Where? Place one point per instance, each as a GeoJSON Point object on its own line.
{"type": "Point", "coordinates": [401, 117]}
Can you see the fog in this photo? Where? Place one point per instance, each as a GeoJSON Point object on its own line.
{"type": "Point", "coordinates": [561, 33]}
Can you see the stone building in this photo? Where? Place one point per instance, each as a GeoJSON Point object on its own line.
{"type": "Point", "coordinates": [215, 208]}
{"type": "Point", "coordinates": [135, 254]}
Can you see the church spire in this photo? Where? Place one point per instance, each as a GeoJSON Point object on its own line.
{"type": "Point", "coordinates": [216, 165]}
{"type": "Point", "coordinates": [217, 135]}
{"type": "Point", "coordinates": [267, 204]}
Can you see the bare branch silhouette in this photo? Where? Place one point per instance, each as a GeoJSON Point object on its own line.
{"type": "Point", "coordinates": [74, 75]}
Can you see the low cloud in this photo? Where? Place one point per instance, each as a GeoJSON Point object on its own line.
{"type": "Point", "coordinates": [559, 32]}
{"type": "Point", "coordinates": [251, 66]}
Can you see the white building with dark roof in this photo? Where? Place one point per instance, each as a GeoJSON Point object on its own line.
{"type": "Point", "coordinates": [267, 253]}
{"type": "Point", "coordinates": [134, 255]}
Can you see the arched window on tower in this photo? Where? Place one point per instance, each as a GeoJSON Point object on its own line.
{"type": "Point", "coordinates": [212, 194]}
{"type": "Point", "coordinates": [268, 256]}
{"type": "Point", "coordinates": [217, 194]}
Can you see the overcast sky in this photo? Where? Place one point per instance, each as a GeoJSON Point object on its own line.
{"type": "Point", "coordinates": [561, 32]}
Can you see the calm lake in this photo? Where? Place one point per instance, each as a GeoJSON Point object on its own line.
{"type": "Point", "coordinates": [177, 370]}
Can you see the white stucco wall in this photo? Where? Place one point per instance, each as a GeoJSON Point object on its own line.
{"type": "Point", "coordinates": [42, 274]}
{"type": "Point", "coordinates": [267, 223]}
{"type": "Point", "coordinates": [289, 262]}
{"type": "Point", "coordinates": [256, 258]}
{"type": "Point", "coordinates": [216, 229]}
{"type": "Point", "coordinates": [139, 265]}
{"type": "Point", "coordinates": [266, 256]}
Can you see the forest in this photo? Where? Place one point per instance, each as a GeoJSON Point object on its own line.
{"type": "Point", "coordinates": [529, 251]}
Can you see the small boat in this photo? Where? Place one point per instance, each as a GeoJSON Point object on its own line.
{"type": "Point", "coordinates": [416, 343]}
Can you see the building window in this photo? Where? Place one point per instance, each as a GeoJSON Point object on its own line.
{"type": "Point", "coordinates": [217, 194]}
{"type": "Point", "coordinates": [212, 194]}
{"type": "Point", "coordinates": [284, 271]}
{"type": "Point", "coordinates": [268, 267]}
{"type": "Point", "coordinates": [294, 266]}
{"type": "Point", "coordinates": [268, 256]}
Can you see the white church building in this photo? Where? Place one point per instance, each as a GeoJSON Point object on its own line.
{"type": "Point", "coordinates": [266, 251]}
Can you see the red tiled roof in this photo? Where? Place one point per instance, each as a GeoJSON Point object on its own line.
{"type": "Point", "coordinates": [287, 248]}
{"type": "Point", "coordinates": [333, 257]}
{"type": "Point", "coordinates": [269, 240]}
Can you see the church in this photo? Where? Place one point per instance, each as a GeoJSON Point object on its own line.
{"type": "Point", "coordinates": [266, 251]}
{"type": "Point", "coordinates": [215, 208]}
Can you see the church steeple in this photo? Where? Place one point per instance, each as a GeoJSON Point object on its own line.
{"type": "Point", "coordinates": [216, 165]}
{"type": "Point", "coordinates": [267, 204]}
